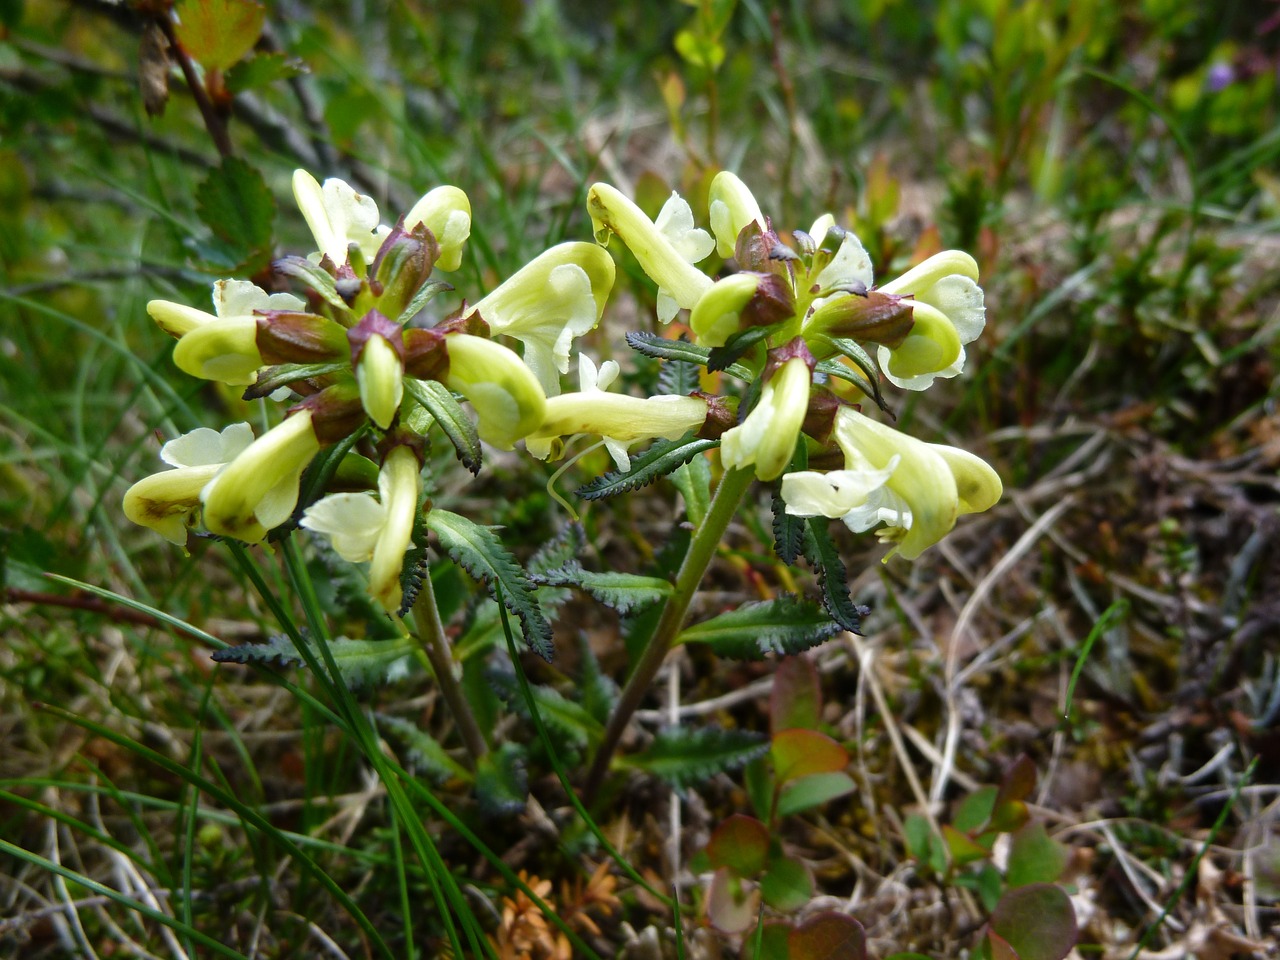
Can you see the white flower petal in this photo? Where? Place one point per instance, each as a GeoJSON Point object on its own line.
{"type": "Point", "coordinates": [233, 298]}
{"type": "Point", "coordinates": [352, 521]}
{"type": "Point", "coordinates": [205, 446]}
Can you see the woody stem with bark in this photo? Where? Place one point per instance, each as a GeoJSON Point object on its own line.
{"type": "Point", "coordinates": [435, 645]}
{"type": "Point", "coordinates": [702, 548]}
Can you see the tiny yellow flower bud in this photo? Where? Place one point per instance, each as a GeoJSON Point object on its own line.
{"type": "Point", "coordinates": [446, 212]}
{"type": "Point", "coordinates": [380, 375]}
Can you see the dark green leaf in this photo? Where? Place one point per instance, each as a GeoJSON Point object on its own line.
{"type": "Point", "coordinates": [678, 379]}
{"type": "Point", "coordinates": [738, 344]}
{"type": "Point", "coordinates": [502, 782]}
{"type": "Point", "coordinates": [426, 293]}
{"type": "Point", "coordinates": [652, 345]}
{"type": "Point", "coordinates": [623, 592]}
{"type": "Point", "coordinates": [478, 550]}
{"type": "Point", "coordinates": [682, 756]}
{"type": "Point", "coordinates": [435, 398]}
{"type": "Point", "coordinates": [659, 460]}
{"type": "Point", "coordinates": [234, 203]}
{"type": "Point", "coordinates": [263, 70]}
{"type": "Point", "coordinates": [822, 556]}
{"type": "Point", "coordinates": [271, 379]}
{"type": "Point", "coordinates": [599, 692]}
{"type": "Point", "coordinates": [568, 719]}
{"type": "Point", "coordinates": [784, 625]}
{"type": "Point", "coordinates": [788, 530]}
{"type": "Point", "coordinates": [360, 662]}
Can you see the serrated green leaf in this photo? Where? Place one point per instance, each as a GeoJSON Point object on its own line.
{"type": "Point", "coordinates": [693, 480]}
{"type": "Point", "coordinates": [424, 752]}
{"type": "Point", "coordinates": [623, 592]}
{"type": "Point", "coordinates": [360, 662]}
{"type": "Point", "coordinates": [435, 398]}
{"type": "Point", "coordinates": [478, 550]}
{"type": "Point", "coordinates": [788, 530]}
{"type": "Point", "coordinates": [720, 358]}
{"type": "Point", "coordinates": [813, 791]}
{"type": "Point", "coordinates": [263, 70]}
{"type": "Point", "coordinates": [678, 379]}
{"type": "Point", "coordinates": [780, 626]}
{"type": "Point", "coordinates": [234, 203]}
{"type": "Point", "coordinates": [567, 718]}
{"type": "Point", "coordinates": [822, 556]}
{"type": "Point", "coordinates": [680, 351]}
{"type": "Point", "coordinates": [682, 756]}
{"type": "Point", "coordinates": [217, 33]}
{"type": "Point", "coordinates": [658, 461]}
{"type": "Point", "coordinates": [502, 780]}
{"type": "Point", "coordinates": [599, 692]}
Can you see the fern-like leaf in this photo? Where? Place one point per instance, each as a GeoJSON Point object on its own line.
{"type": "Point", "coordinates": [435, 398]}
{"type": "Point", "coordinates": [502, 780]}
{"type": "Point", "coordinates": [478, 550]}
{"type": "Point", "coordinates": [683, 756]}
{"type": "Point", "coordinates": [424, 752]}
{"type": "Point", "coordinates": [788, 531]}
{"type": "Point", "coordinates": [623, 592]}
{"type": "Point", "coordinates": [659, 460]}
{"type": "Point", "coordinates": [566, 717]}
{"type": "Point", "coordinates": [360, 662]}
{"type": "Point", "coordinates": [679, 351]}
{"type": "Point", "coordinates": [825, 560]}
{"type": "Point", "coordinates": [783, 626]}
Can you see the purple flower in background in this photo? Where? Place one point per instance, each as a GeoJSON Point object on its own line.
{"type": "Point", "coordinates": [1220, 75]}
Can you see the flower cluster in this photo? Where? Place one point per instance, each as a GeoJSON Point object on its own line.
{"type": "Point", "coordinates": [800, 322]}
{"type": "Point", "coordinates": [368, 367]}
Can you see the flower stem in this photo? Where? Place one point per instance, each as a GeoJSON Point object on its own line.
{"type": "Point", "coordinates": [430, 633]}
{"type": "Point", "coordinates": [702, 548]}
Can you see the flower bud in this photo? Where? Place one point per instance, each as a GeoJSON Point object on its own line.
{"type": "Point", "coordinates": [377, 353]}
{"type": "Point", "coordinates": [873, 317]}
{"type": "Point", "coordinates": [446, 212]}
{"type": "Point", "coordinates": [287, 336]}
{"type": "Point", "coordinates": [224, 350]}
{"type": "Point", "coordinates": [398, 487]}
{"type": "Point", "coordinates": [767, 437]}
{"type": "Point", "coordinates": [732, 207]}
{"type": "Point", "coordinates": [402, 266]}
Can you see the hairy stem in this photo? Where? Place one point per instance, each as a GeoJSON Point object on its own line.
{"type": "Point", "coordinates": [702, 548]}
{"type": "Point", "coordinates": [435, 645]}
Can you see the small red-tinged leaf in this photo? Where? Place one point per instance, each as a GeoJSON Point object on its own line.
{"type": "Point", "coordinates": [797, 697]}
{"type": "Point", "coordinates": [1037, 921]}
{"type": "Point", "coordinates": [218, 33]}
{"type": "Point", "coordinates": [799, 753]}
{"type": "Point", "coordinates": [773, 942]}
{"type": "Point", "coordinates": [974, 811]}
{"type": "Point", "coordinates": [787, 885]}
{"type": "Point", "coordinates": [1009, 812]}
{"type": "Point", "coordinates": [999, 947]}
{"type": "Point", "coordinates": [740, 844]}
{"type": "Point", "coordinates": [732, 906]}
{"type": "Point", "coordinates": [813, 791]}
{"type": "Point", "coordinates": [1035, 857]}
{"type": "Point", "coordinates": [963, 850]}
{"type": "Point", "coordinates": [828, 936]}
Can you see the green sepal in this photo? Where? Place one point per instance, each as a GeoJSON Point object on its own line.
{"type": "Point", "coordinates": [360, 663]}
{"type": "Point", "coordinates": [434, 397]}
{"type": "Point", "coordinates": [478, 550]}
{"type": "Point", "coordinates": [683, 756]}
{"type": "Point", "coordinates": [502, 781]}
{"type": "Point", "coordinates": [426, 293]}
{"type": "Point", "coordinates": [657, 461]}
{"type": "Point", "coordinates": [422, 750]}
{"type": "Point", "coordinates": [314, 276]}
{"type": "Point", "coordinates": [680, 351]}
{"type": "Point", "coordinates": [623, 592]}
{"type": "Point", "coordinates": [782, 626]}
{"type": "Point", "coordinates": [271, 379]}
{"type": "Point", "coordinates": [822, 556]}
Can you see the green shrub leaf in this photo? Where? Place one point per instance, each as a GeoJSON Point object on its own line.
{"type": "Point", "coordinates": [813, 791]}
{"type": "Point", "coordinates": [1037, 921]}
